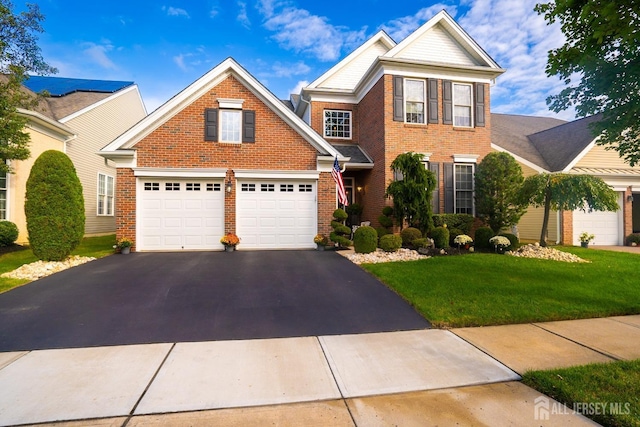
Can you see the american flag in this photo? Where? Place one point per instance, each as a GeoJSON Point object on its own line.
{"type": "Point", "coordinates": [337, 177]}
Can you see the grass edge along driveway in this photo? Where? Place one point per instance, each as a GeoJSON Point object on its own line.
{"type": "Point", "coordinates": [482, 289]}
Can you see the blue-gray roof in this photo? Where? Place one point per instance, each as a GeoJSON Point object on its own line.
{"type": "Point", "coordinates": [61, 86]}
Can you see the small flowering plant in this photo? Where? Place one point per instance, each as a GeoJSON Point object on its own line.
{"type": "Point", "coordinates": [321, 239]}
{"type": "Point", "coordinates": [462, 239]}
{"type": "Point", "coordinates": [586, 237]}
{"type": "Point", "coordinates": [500, 242]}
{"type": "Point", "coordinates": [230, 239]}
{"type": "Point", "coordinates": [122, 243]}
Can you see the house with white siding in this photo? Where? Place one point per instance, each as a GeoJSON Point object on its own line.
{"type": "Point", "coordinates": [77, 117]}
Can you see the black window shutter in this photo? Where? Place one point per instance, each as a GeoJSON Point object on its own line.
{"type": "Point", "coordinates": [211, 124]}
{"type": "Point", "coordinates": [480, 104]}
{"type": "Point", "coordinates": [435, 196]}
{"type": "Point", "coordinates": [448, 188]}
{"type": "Point", "coordinates": [433, 100]}
{"type": "Point", "coordinates": [447, 102]}
{"type": "Point", "coordinates": [248, 126]}
{"type": "Point", "coordinates": [398, 99]}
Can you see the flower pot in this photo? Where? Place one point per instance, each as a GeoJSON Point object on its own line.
{"type": "Point", "coordinates": [320, 247]}
{"type": "Point", "coordinates": [229, 248]}
{"type": "Point", "coordinates": [584, 244]}
{"type": "Point", "coordinates": [125, 250]}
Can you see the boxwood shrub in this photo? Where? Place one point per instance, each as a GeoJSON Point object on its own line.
{"type": "Point", "coordinates": [463, 222]}
{"type": "Point", "coordinates": [54, 207]}
{"type": "Point", "coordinates": [8, 233]}
{"type": "Point", "coordinates": [365, 240]}
{"type": "Point", "coordinates": [633, 238]}
{"type": "Point", "coordinates": [410, 234]}
{"type": "Point", "coordinates": [481, 240]}
{"type": "Point", "coordinates": [390, 242]}
{"type": "Point", "coordinates": [440, 236]}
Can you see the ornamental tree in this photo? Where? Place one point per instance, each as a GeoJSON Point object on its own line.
{"type": "Point", "coordinates": [19, 55]}
{"type": "Point", "coordinates": [600, 64]}
{"type": "Point", "coordinates": [412, 194]}
{"type": "Point", "coordinates": [561, 191]}
{"type": "Point", "coordinates": [498, 185]}
{"type": "Point", "coordinates": [54, 207]}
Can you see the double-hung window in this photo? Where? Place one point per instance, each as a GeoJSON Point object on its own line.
{"type": "Point", "coordinates": [337, 124]}
{"type": "Point", "coordinates": [230, 125]}
{"type": "Point", "coordinates": [463, 185]}
{"type": "Point", "coordinates": [3, 195]}
{"type": "Point", "coordinates": [462, 105]}
{"type": "Point", "coordinates": [105, 195]}
{"type": "Point", "coordinates": [414, 101]}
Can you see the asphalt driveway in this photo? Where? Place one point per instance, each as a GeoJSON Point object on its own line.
{"type": "Point", "coordinates": [200, 296]}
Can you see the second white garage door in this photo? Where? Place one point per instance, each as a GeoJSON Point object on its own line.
{"type": "Point", "coordinates": [605, 226]}
{"type": "Point", "coordinates": [276, 214]}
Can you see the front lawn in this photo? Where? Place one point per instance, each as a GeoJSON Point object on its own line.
{"type": "Point", "coordinates": [97, 247]}
{"type": "Point", "coordinates": [489, 289]}
{"type": "Point", "coordinates": [608, 393]}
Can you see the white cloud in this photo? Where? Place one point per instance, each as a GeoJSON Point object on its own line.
{"type": "Point", "coordinates": [242, 17]}
{"type": "Point", "coordinates": [179, 61]}
{"type": "Point", "coordinates": [518, 39]}
{"type": "Point", "coordinates": [289, 70]}
{"type": "Point", "coordinates": [175, 11]}
{"type": "Point", "coordinates": [299, 86]}
{"type": "Point", "coordinates": [298, 30]}
{"type": "Point", "coordinates": [97, 53]}
{"type": "Point", "coordinates": [400, 28]}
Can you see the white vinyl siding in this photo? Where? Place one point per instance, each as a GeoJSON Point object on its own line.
{"type": "Point", "coordinates": [436, 44]}
{"type": "Point", "coordinates": [351, 74]}
{"type": "Point", "coordinates": [414, 101]}
{"type": "Point", "coordinates": [105, 194]}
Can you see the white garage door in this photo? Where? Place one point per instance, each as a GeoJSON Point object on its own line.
{"type": "Point", "coordinates": [605, 226]}
{"type": "Point", "coordinates": [276, 214]}
{"type": "Point", "coordinates": [180, 214]}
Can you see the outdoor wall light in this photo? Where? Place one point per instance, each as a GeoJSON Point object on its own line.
{"type": "Point", "coordinates": [360, 189]}
{"type": "Point", "coordinates": [629, 198]}
{"type": "Point", "coordinates": [229, 185]}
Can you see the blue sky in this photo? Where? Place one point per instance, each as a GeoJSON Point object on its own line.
{"type": "Point", "coordinates": [165, 46]}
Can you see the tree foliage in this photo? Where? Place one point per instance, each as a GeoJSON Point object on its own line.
{"type": "Point", "coordinates": [498, 184]}
{"type": "Point", "coordinates": [412, 194]}
{"type": "Point", "coordinates": [19, 55]}
{"type": "Point", "coordinates": [600, 64]}
{"type": "Point", "coordinates": [568, 192]}
{"type": "Point", "coordinates": [54, 207]}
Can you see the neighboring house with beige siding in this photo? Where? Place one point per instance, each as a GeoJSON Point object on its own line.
{"type": "Point", "coordinates": [543, 144]}
{"type": "Point", "coordinates": [78, 117]}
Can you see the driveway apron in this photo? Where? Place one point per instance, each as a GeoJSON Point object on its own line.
{"type": "Point", "coordinates": [200, 296]}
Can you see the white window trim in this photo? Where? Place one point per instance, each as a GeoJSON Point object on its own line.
{"type": "Point", "coordinates": [220, 130]}
{"type": "Point", "coordinates": [471, 106]}
{"type": "Point", "coordinates": [106, 196]}
{"type": "Point", "coordinates": [324, 123]}
{"type": "Point", "coordinates": [230, 104]}
{"type": "Point", "coordinates": [8, 201]}
{"type": "Point", "coordinates": [424, 101]}
{"type": "Point", "coordinates": [473, 187]}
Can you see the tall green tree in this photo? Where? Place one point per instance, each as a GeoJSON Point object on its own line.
{"type": "Point", "coordinates": [498, 185]}
{"type": "Point", "coordinates": [600, 64]}
{"type": "Point", "coordinates": [19, 55]}
{"type": "Point", "coordinates": [568, 192]}
{"type": "Point", "coordinates": [412, 194]}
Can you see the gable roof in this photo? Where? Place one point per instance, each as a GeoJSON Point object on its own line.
{"type": "Point", "coordinates": [228, 67]}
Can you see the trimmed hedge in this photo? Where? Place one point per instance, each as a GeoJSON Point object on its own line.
{"type": "Point", "coordinates": [440, 236]}
{"type": "Point", "coordinates": [463, 222]}
{"type": "Point", "coordinates": [54, 207]}
{"type": "Point", "coordinates": [410, 234]}
{"type": "Point", "coordinates": [481, 240]}
{"type": "Point", "coordinates": [8, 233]}
{"type": "Point", "coordinates": [633, 238]}
{"type": "Point", "coordinates": [365, 240]}
{"type": "Point", "coordinates": [390, 242]}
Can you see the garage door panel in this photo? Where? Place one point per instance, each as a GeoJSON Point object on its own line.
{"type": "Point", "coordinates": [605, 226]}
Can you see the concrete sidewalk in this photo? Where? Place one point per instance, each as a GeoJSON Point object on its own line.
{"type": "Point", "coordinates": [465, 376]}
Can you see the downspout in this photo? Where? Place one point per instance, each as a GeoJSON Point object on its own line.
{"type": "Point", "coordinates": [558, 228]}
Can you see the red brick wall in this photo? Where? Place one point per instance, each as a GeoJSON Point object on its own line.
{"type": "Point", "coordinates": [179, 143]}
{"type": "Point", "coordinates": [627, 206]}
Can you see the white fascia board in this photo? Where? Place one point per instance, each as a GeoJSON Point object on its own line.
{"type": "Point", "coordinates": [180, 173]}
{"type": "Point", "coordinates": [47, 125]}
{"type": "Point", "coordinates": [581, 155]}
{"type": "Point", "coordinates": [520, 159]}
{"type": "Point", "coordinates": [358, 166]}
{"type": "Point", "coordinates": [122, 158]}
{"type": "Point", "coordinates": [441, 70]}
{"type": "Point", "coordinates": [325, 163]}
{"type": "Point", "coordinates": [274, 174]}
{"type": "Point", "coordinates": [380, 36]}
{"type": "Point", "coordinates": [102, 102]}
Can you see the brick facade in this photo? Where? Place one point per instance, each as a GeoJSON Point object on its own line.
{"type": "Point", "coordinates": [179, 143]}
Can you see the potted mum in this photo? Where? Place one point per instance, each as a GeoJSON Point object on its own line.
{"type": "Point", "coordinates": [230, 240]}
{"type": "Point", "coordinates": [500, 243]}
{"type": "Point", "coordinates": [123, 245]}
{"type": "Point", "coordinates": [585, 238]}
{"type": "Point", "coordinates": [321, 241]}
{"type": "Point", "coordinates": [463, 240]}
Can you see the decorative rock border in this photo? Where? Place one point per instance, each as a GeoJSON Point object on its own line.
{"type": "Point", "coordinates": [39, 269]}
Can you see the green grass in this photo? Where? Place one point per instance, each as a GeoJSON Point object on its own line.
{"type": "Point", "coordinates": [488, 289]}
{"type": "Point", "coordinates": [612, 389]}
{"type": "Point", "coordinates": [97, 247]}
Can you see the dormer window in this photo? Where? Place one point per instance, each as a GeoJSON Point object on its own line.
{"type": "Point", "coordinates": [337, 124]}
{"type": "Point", "coordinates": [230, 123]}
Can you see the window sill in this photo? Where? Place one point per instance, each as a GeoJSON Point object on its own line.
{"type": "Point", "coordinates": [464, 129]}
